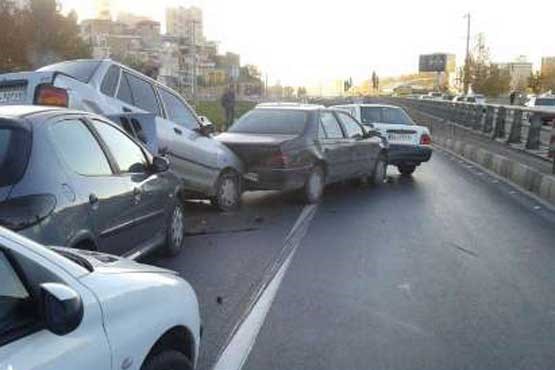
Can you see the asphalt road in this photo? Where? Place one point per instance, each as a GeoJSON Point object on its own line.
{"type": "Point", "coordinates": [449, 269]}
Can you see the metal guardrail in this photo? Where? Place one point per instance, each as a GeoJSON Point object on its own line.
{"type": "Point", "coordinates": [528, 129]}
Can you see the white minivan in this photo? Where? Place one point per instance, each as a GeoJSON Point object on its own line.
{"type": "Point", "coordinates": [207, 167]}
{"type": "Point", "coordinates": [66, 309]}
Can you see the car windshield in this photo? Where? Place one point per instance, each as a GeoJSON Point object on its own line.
{"type": "Point", "coordinates": [14, 148]}
{"type": "Point", "coordinates": [385, 115]}
{"type": "Point", "coordinates": [272, 121]}
{"type": "Point", "coordinates": [81, 70]}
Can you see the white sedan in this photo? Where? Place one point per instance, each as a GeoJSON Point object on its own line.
{"type": "Point", "coordinates": [409, 144]}
{"type": "Point", "coordinates": [63, 309]}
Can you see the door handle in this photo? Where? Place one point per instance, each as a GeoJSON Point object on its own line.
{"type": "Point", "coordinates": [93, 201]}
{"type": "Point", "coordinates": [177, 131]}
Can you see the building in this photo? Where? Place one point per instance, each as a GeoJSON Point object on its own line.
{"type": "Point", "coordinates": [21, 4]}
{"type": "Point", "coordinates": [103, 9]}
{"type": "Point", "coordinates": [519, 70]}
{"type": "Point", "coordinates": [231, 63]}
{"type": "Point", "coordinates": [130, 19]}
{"type": "Point", "coordinates": [185, 22]}
{"type": "Point", "coordinates": [331, 89]}
{"type": "Point", "coordinates": [149, 32]}
{"type": "Point", "coordinates": [548, 66]}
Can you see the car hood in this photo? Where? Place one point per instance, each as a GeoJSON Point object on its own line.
{"type": "Point", "coordinates": [101, 263]}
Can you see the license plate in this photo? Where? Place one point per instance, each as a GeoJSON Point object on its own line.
{"type": "Point", "coordinates": [12, 96]}
{"type": "Point", "coordinates": [400, 138]}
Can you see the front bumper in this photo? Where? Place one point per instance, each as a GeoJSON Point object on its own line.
{"type": "Point", "coordinates": [409, 154]}
{"type": "Point", "coordinates": [276, 179]}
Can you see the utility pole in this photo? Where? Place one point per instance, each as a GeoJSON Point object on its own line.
{"type": "Point", "coordinates": [194, 23]}
{"type": "Point", "coordinates": [466, 78]}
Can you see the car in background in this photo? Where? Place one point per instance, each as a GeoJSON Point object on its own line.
{"type": "Point", "coordinates": [304, 148]}
{"type": "Point", "coordinates": [76, 179]}
{"type": "Point", "coordinates": [546, 102]}
{"type": "Point", "coordinates": [434, 95]}
{"type": "Point", "coordinates": [65, 309]}
{"type": "Point", "coordinates": [409, 144]}
{"type": "Point", "coordinates": [475, 98]}
{"type": "Point", "coordinates": [207, 168]}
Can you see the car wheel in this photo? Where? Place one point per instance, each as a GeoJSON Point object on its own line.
{"type": "Point", "coordinates": [167, 360]}
{"type": "Point", "coordinates": [176, 231]}
{"type": "Point", "coordinates": [380, 171]}
{"type": "Point", "coordinates": [228, 192]}
{"type": "Point", "coordinates": [314, 186]}
{"type": "Point", "coordinates": [406, 170]}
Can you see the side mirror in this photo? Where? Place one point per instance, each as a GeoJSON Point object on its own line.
{"type": "Point", "coordinates": [370, 131]}
{"type": "Point", "coordinates": [160, 164]}
{"type": "Point", "coordinates": [62, 308]}
{"type": "Point", "coordinates": [207, 128]}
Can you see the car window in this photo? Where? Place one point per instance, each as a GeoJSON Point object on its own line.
{"type": "Point", "coordinates": [370, 114]}
{"type": "Point", "coordinates": [13, 295]}
{"type": "Point", "coordinates": [396, 116]}
{"type": "Point", "coordinates": [331, 126]}
{"type": "Point", "coordinates": [79, 148]}
{"type": "Point", "coordinates": [143, 94]}
{"type": "Point", "coordinates": [351, 126]}
{"type": "Point", "coordinates": [545, 102]}
{"type": "Point", "coordinates": [124, 92]}
{"type": "Point", "coordinates": [177, 111]}
{"type": "Point", "coordinates": [81, 70]}
{"type": "Point", "coordinates": [272, 121]}
{"type": "Point", "coordinates": [15, 145]}
{"type": "Point", "coordinates": [110, 81]}
{"type": "Point", "coordinates": [127, 154]}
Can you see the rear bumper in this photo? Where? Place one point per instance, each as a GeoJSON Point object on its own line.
{"type": "Point", "coordinates": [276, 179]}
{"type": "Point", "coordinates": [409, 154]}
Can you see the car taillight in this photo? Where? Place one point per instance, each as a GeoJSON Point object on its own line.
{"type": "Point", "coordinates": [278, 160]}
{"type": "Point", "coordinates": [425, 139]}
{"type": "Point", "coordinates": [20, 213]}
{"type": "Point", "coordinates": [51, 95]}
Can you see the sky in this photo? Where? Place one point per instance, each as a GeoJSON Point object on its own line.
{"type": "Point", "coordinates": [304, 42]}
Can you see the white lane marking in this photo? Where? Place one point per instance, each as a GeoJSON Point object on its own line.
{"type": "Point", "coordinates": [239, 347]}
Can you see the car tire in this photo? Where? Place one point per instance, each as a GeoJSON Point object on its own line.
{"type": "Point", "coordinates": [175, 237]}
{"type": "Point", "coordinates": [228, 192]}
{"type": "Point", "coordinates": [167, 360]}
{"type": "Point", "coordinates": [406, 170]}
{"type": "Point", "coordinates": [380, 171]}
{"type": "Point", "coordinates": [313, 189]}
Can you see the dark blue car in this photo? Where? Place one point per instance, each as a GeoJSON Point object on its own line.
{"type": "Point", "coordinates": [76, 179]}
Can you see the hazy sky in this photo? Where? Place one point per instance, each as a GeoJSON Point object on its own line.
{"type": "Point", "coordinates": [304, 41]}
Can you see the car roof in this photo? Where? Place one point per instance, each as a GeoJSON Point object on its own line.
{"type": "Point", "coordinates": [305, 107]}
{"type": "Point", "coordinates": [289, 105]}
{"type": "Point", "coordinates": [21, 111]}
{"type": "Point", "coordinates": [366, 105]}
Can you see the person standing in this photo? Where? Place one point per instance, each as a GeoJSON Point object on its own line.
{"type": "Point", "coordinates": [228, 103]}
{"type": "Point", "coordinates": [512, 97]}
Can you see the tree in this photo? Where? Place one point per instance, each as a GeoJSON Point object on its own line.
{"type": "Point", "coordinates": [535, 82]}
{"type": "Point", "coordinates": [301, 92]}
{"type": "Point", "coordinates": [37, 36]}
{"type": "Point", "coordinates": [485, 77]}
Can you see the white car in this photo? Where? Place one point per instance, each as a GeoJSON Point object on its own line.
{"type": "Point", "coordinates": [207, 167]}
{"type": "Point", "coordinates": [64, 309]}
{"type": "Point", "coordinates": [409, 144]}
{"type": "Point", "coordinates": [545, 102]}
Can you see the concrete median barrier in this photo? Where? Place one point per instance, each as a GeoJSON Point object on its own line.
{"type": "Point", "coordinates": [526, 177]}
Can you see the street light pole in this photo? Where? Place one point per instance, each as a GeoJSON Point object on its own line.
{"type": "Point", "coordinates": [466, 80]}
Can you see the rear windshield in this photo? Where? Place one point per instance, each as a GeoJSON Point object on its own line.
{"type": "Point", "coordinates": [81, 70]}
{"type": "Point", "coordinates": [271, 121]}
{"type": "Point", "coordinates": [384, 115]}
{"type": "Point", "coordinates": [544, 102]}
{"type": "Point", "coordinates": [14, 151]}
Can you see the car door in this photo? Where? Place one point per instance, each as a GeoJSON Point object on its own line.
{"type": "Point", "coordinates": [333, 143]}
{"type": "Point", "coordinates": [107, 198]}
{"type": "Point", "coordinates": [151, 191]}
{"type": "Point", "coordinates": [194, 155]}
{"type": "Point", "coordinates": [24, 341]}
{"type": "Point", "coordinates": [362, 152]}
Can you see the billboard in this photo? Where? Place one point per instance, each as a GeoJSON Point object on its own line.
{"type": "Point", "coordinates": [438, 62]}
